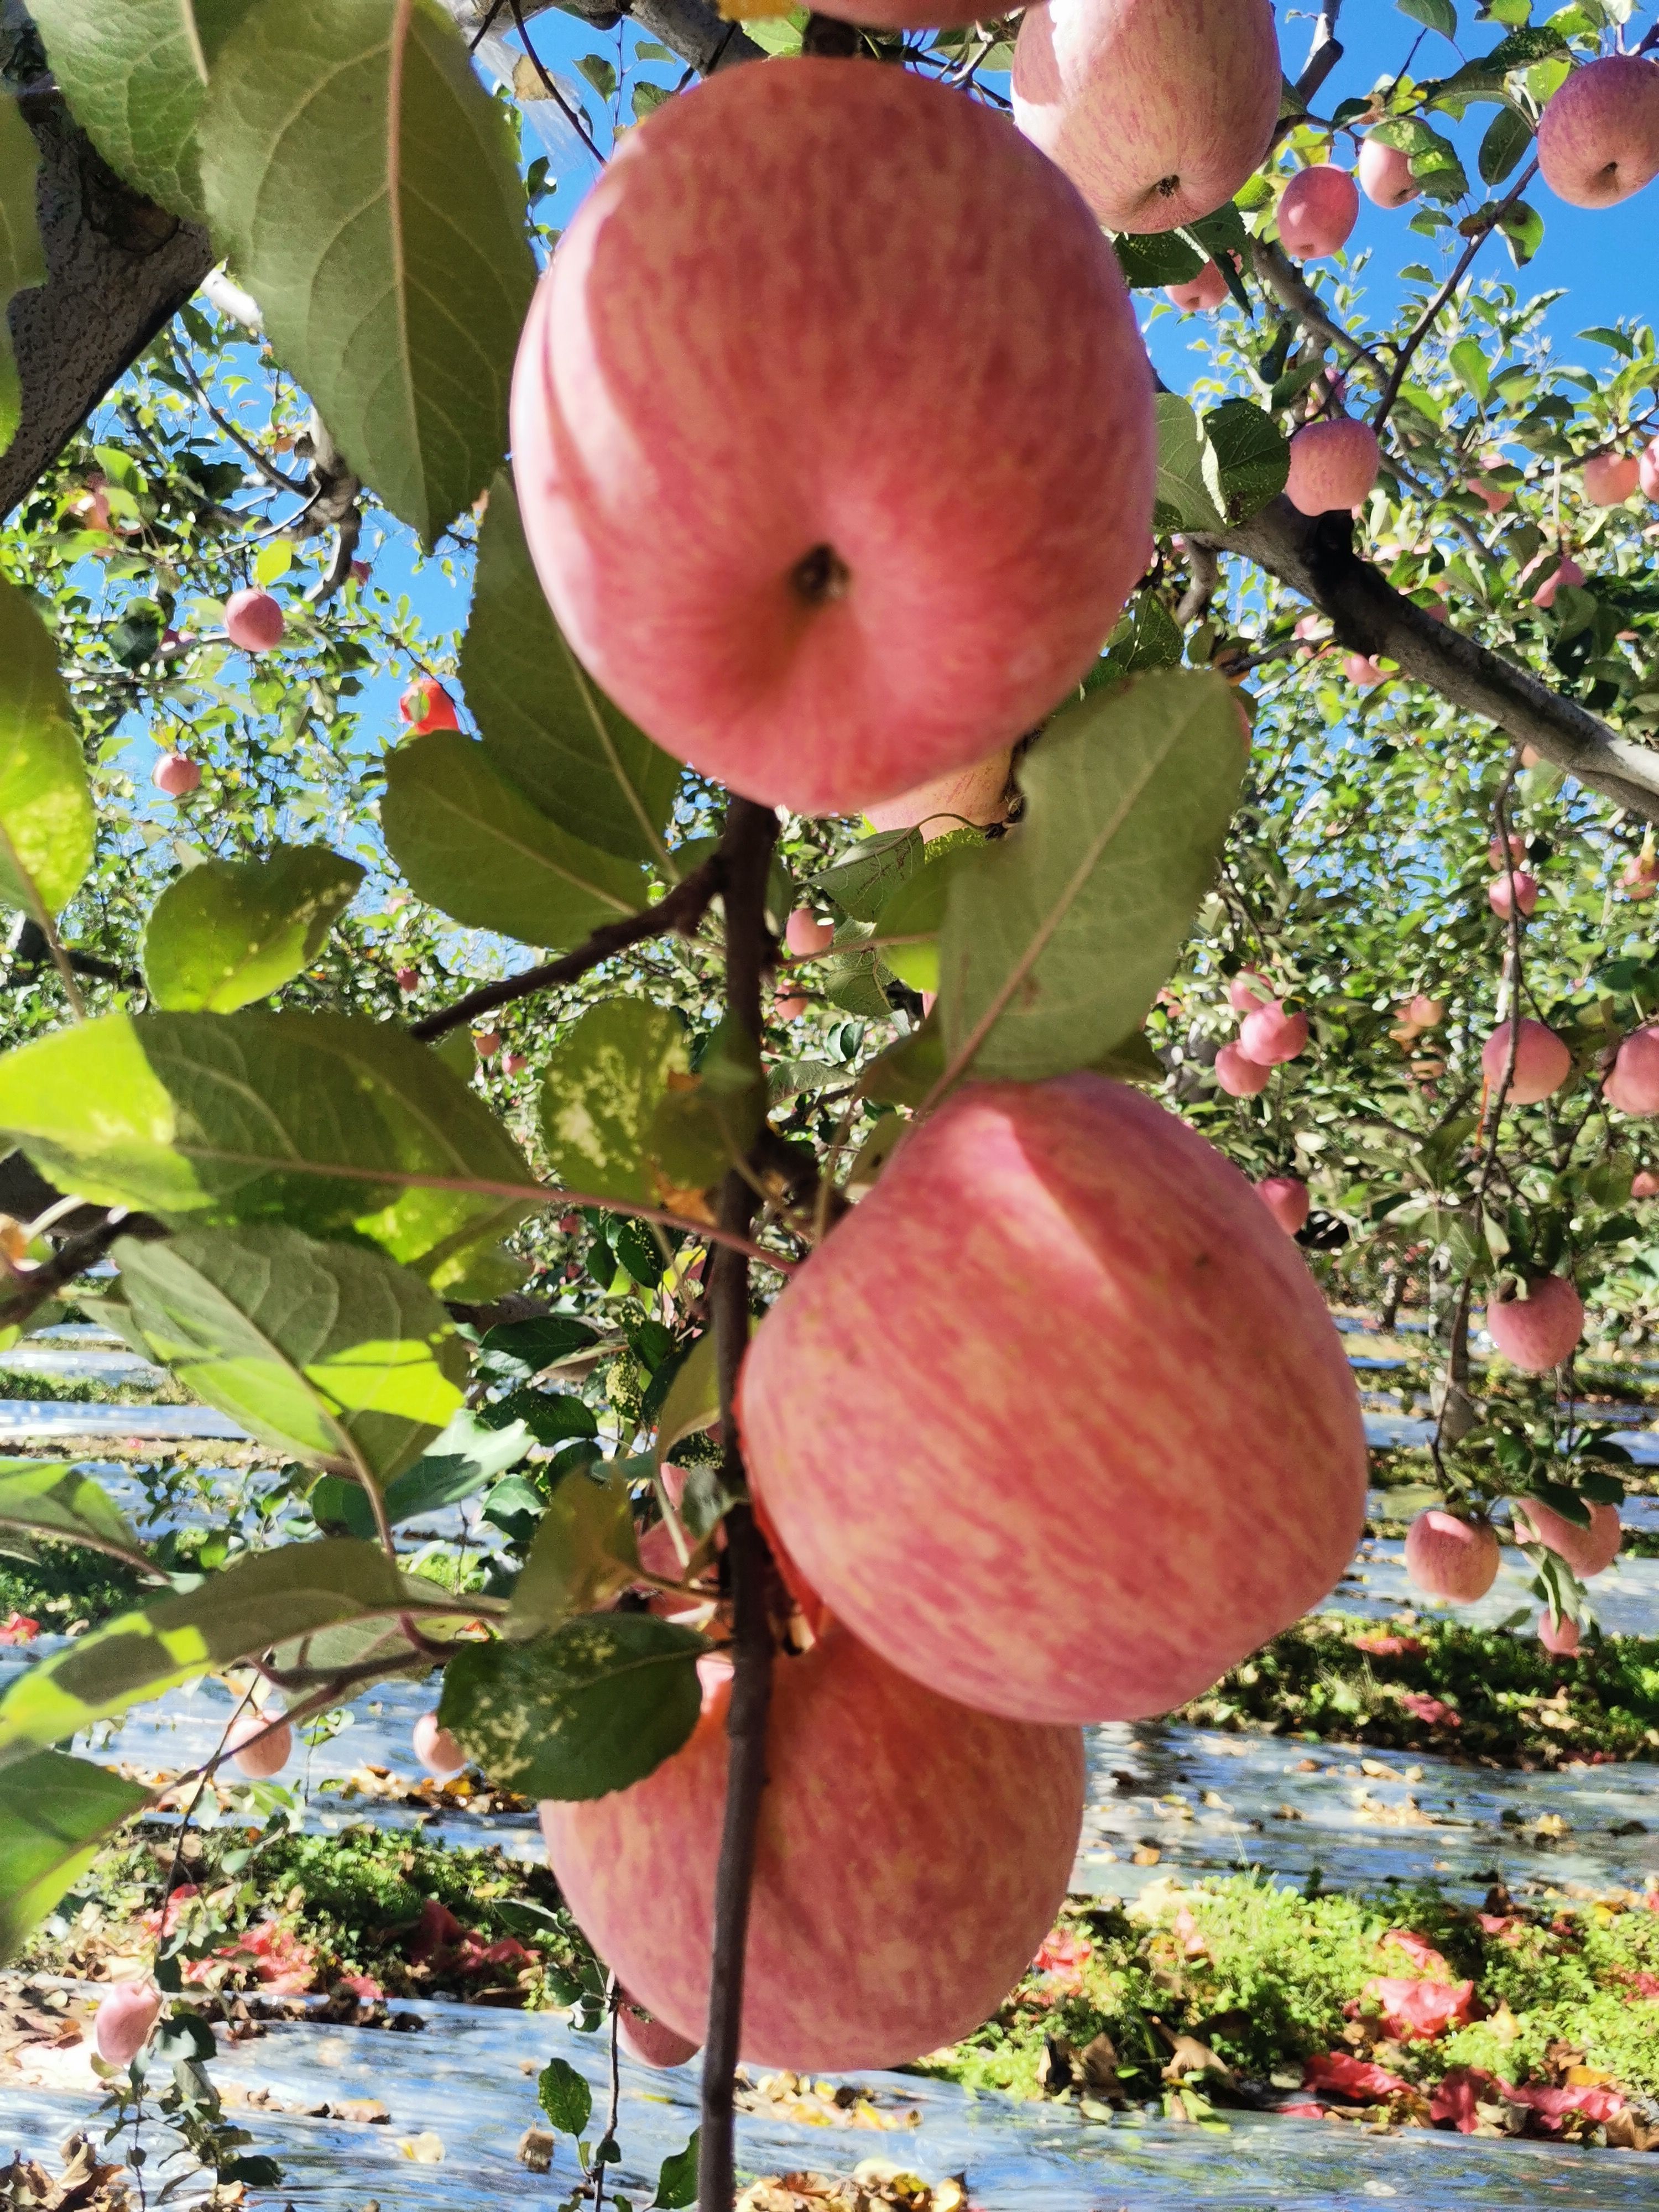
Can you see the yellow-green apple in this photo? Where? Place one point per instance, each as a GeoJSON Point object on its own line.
{"type": "Point", "coordinates": [1239, 1075]}
{"type": "Point", "coordinates": [254, 620]}
{"type": "Point", "coordinates": [1447, 1556]}
{"type": "Point", "coordinates": [427, 706]}
{"type": "Point", "coordinates": [260, 1744]}
{"type": "Point", "coordinates": [1610, 479]}
{"type": "Point", "coordinates": [977, 795]}
{"type": "Point", "coordinates": [754, 523]}
{"type": "Point", "coordinates": [1271, 1035]}
{"type": "Point", "coordinates": [910, 1857]}
{"type": "Point", "coordinates": [1157, 110]}
{"type": "Point", "coordinates": [124, 2018]}
{"type": "Point", "coordinates": [1542, 1062]}
{"type": "Point", "coordinates": [1588, 1551]}
{"type": "Point", "coordinates": [1058, 1311]}
{"type": "Point", "coordinates": [1516, 890]}
{"type": "Point", "coordinates": [1385, 174]}
{"type": "Point", "coordinates": [176, 776]}
{"type": "Point", "coordinates": [647, 2039]}
{"type": "Point", "coordinates": [1598, 137]}
{"type": "Point", "coordinates": [1333, 465]}
{"type": "Point", "coordinates": [1558, 1636]}
{"type": "Point", "coordinates": [1285, 1198]}
{"type": "Point", "coordinates": [1317, 211]}
{"type": "Point", "coordinates": [1631, 1084]}
{"type": "Point", "coordinates": [1537, 1332]}
{"type": "Point", "coordinates": [436, 1748]}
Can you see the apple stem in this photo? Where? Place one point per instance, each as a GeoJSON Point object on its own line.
{"type": "Point", "coordinates": [750, 833]}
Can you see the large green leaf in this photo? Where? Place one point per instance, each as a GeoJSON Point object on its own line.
{"type": "Point", "coordinates": [266, 1600]}
{"type": "Point", "coordinates": [134, 72]}
{"type": "Point", "coordinates": [325, 1122]}
{"type": "Point", "coordinates": [585, 1551]}
{"type": "Point", "coordinates": [1183, 500]}
{"type": "Point", "coordinates": [546, 724]}
{"type": "Point", "coordinates": [229, 931]}
{"type": "Point", "coordinates": [48, 1498]}
{"type": "Point", "coordinates": [461, 1461]}
{"type": "Point", "coordinates": [606, 1077]}
{"type": "Point", "coordinates": [55, 1813]}
{"type": "Point", "coordinates": [327, 1350]}
{"type": "Point", "coordinates": [591, 1708]}
{"type": "Point", "coordinates": [46, 822]}
{"type": "Point", "coordinates": [363, 183]}
{"type": "Point", "coordinates": [22, 260]}
{"type": "Point", "coordinates": [1059, 936]}
{"type": "Point", "coordinates": [471, 843]}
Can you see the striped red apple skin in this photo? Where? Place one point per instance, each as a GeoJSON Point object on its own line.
{"type": "Point", "coordinates": [911, 1857]}
{"type": "Point", "coordinates": [1056, 1419]}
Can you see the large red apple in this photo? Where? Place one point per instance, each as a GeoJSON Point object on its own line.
{"type": "Point", "coordinates": [1239, 1076]}
{"type": "Point", "coordinates": [1333, 465]}
{"type": "Point", "coordinates": [124, 2018]}
{"type": "Point", "coordinates": [1610, 479]}
{"type": "Point", "coordinates": [1598, 137]}
{"type": "Point", "coordinates": [254, 620]}
{"type": "Point", "coordinates": [1056, 1419]}
{"type": "Point", "coordinates": [911, 1856]}
{"type": "Point", "coordinates": [1317, 211]}
{"type": "Point", "coordinates": [1448, 1557]}
{"type": "Point", "coordinates": [1157, 110]}
{"type": "Point", "coordinates": [1542, 1062]}
{"type": "Point", "coordinates": [1588, 1551]}
{"type": "Point", "coordinates": [1385, 174]}
{"type": "Point", "coordinates": [977, 796]}
{"type": "Point", "coordinates": [1538, 1332]}
{"type": "Point", "coordinates": [757, 524]}
{"type": "Point", "coordinates": [805, 935]}
{"type": "Point", "coordinates": [1633, 1082]}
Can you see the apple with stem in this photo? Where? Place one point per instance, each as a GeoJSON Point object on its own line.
{"type": "Point", "coordinates": [1538, 1332]}
{"type": "Point", "coordinates": [260, 1744]}
{"type": "Point", "coordinates": [1598, 137]}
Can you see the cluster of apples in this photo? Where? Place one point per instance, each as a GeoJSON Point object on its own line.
{"type": "Point", "coordinates": [1457, 1556]}
{"type": "Point", "coordinates": [1268, 1035]}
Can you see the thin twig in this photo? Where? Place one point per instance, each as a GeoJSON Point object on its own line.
{"type": "Point", "coordinates": [575, 116]}
{"type": "Point", "coordinates": [1426, 322]}
{"type": "Point", "coordinates": [72, 1259]}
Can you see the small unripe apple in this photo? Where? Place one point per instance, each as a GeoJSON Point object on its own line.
{"type": "Point", "coordinates": [427, 706]}
{"type": "Point", "coordinates": [1559, 1636]}
{"type": "Point", "coordinates": [514, 1063]}
{"type": "Point", "coordinates": [1631, 1084]}
{"type": "Point", "coordinates": [1610, 479]}
{"type": "Point", "coordinates": [409, 980]}
{"type": "Point", "coordinates": [436, 1748]}
{"type": "Point", "coordinates": [1333, 465]}
{"type": "Point", "coordinates": [1598, 137]}
{"type": "Point", "coordinates": [1317, 211]}
{"type": "Point", "coordinates": [1270, 1035]}
{"type": "Point", "coordinates": [1285, 1198]}
{"type": "Point", "coordinates": [1208, 289]}
{"type": "Point", "coordinates": [125, 2016]}
{"type": "Point", "coordinates": [254, 620]}
{"type": "Point", "coordinates": [1644, 1183]}
{"type": "Point", "coordinates": [1567, 571]}
{"type": "Point", "coordinates": [1589, 1552]}
{"type": "Point", "coordinates": [1425, 1013]}
{"type": "Point", "coordinates": [805, 935]}
{"type": "Point", "coordinates": [1536, 1332]}
{"type": "Point", "coordinates": [649, 2040]}
{"type": "Point", "coordinates": [1496, 855]}
{"type": "Point", "coordinates": [176, 775]}
{"type": "Point", "coordinates": [487, 1043]}
{"type": "Point", "coordinates": [1515, 891]}
{"type": "Point", "coordinates": [270, 1755]}
{"type": "Point", "coordinates": [1647, 471]}
{"type": "Point", "coordinates": [1239, 1075]}
{"type": "Point", "coordinates": [1542, 1062]}
{"type": "Point", "coordinates": [977, 795]}
{"type": "Point", "coordinates": [1448, 1557]}
{"type": "Point", "coordinates": [1385, 174]}
{"type": "Point", "coordinates": [1247, 991]}
{"type": "Point", "coordinates": [1363, 672]}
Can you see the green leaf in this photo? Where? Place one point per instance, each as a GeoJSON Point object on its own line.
{"type": "Point", "coordinates": [591, 1708]}
{"type": "Point", "coordinates": [677, 2181]}
{"type": "Point", "coordinates": [1151, 259]}
{"type": "Point", "coordinates": [22, 260]}
{"type": "Point", "coordinates": [1146, 638]}
{"type": "Point", "coordinates": [328, 1350]}
{"type": "Point", "coordinates": [364, 184]}
{"type": "Point", "coordinates": [51, 1498]}
{"type": "Point", "coordinates": [861, 885]}
{"type": "Point", "coordinates": [1183, 500]}
{"type": "Point", "coordinates": [546, 725]}
{"type": "Point", "coordinates": [552, 1417]}
{"type": "Point", "coordinates": [1469, 365]}
{"type": "Point", "coordinates": [1439, 14]}
{"type": "Point", "coordinates": [606, 1077]}
{"type": "Point", "coordinates": [697, 1134]}
{"type": "Point", "coordinates": [263, 1600]}
{"type": "Point", "coordinates": [46, 821]}
{"type": "Point", "coordinates": [1508, 136]}
{"type": "Point", "coordinates": [1246, 459]}
{"type": "Point", "coordinates": [468, 840]}
{"type": "Point", "coordinates": [460, 1463]}
{"type": "Point", "coordinates": [134, 75]}
{"type": "Point", "coordinates": [564, 2097]}
{"type": "Point", "coordinates": [322, 1121]}
{"type": "Point", "coordinates": [908, 930]}
{"type": "Point", "coordinates": [693, 1402]}
{"type": "Point", "coordinates": [599, 73]}
{"type": "Point", "coordinates": [1523, 227]}
{"type": "Point", "coordinates": [55, 1813]}
{"type": "Point", "coordinates": [1058, 939]}
{"type": "Point", "coordinates": [228, 932]}
{"type": "Point", "coordinates": [517, 1350]}
{"type": "Point", "coordinates": [585, 1552]}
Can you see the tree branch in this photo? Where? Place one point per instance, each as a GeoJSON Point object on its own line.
{"type": "Point", "coordinates": [1432, 315]}
{"type": "Point", "coordinates": [1290, 289]}
{"type": "Point", "coordinates": [1323, 55]}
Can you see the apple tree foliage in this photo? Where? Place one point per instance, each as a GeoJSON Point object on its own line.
{"type": "Point", "coordinates": [396, 1073]}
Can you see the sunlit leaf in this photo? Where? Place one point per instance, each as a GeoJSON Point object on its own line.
{"type": "Point", "coordinates": [584, 1552]}
{"type": "Point", "coordinates": [605, 1079]}
{"type": "Point", "coordinates": [47, 820]}
{"type": "Point", "coordinates": [229, 931]}
{"type": "Point", "coordinates": [54, 1814]}
{"type": "Point", "coordinates": [49, 1498]}
{"type": "Point", "coordinates": [23, 261]}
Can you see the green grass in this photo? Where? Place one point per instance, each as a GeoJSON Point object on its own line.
{"type": "Point", "coordinates": [64, 1583]}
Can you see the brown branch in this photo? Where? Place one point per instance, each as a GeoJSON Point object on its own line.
{"type": "Point", "coordinates": [1205, 583]}
{"type": "Point", "coordinates": [1290, 289]}
{"type": "Point", "coordinates": [1323, 55]}
{"type": "Point", "coordinates": [750, 833]}
{"type": "Point", "coordinates": [72, 1258]}
{"type": "Point", "coordinates": [683, 909]}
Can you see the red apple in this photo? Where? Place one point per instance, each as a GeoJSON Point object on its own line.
{"type": "Point", "coordinates": [1425, 1013]}
{"type": "Point", "coordinates": [1363, 672]}
{"type": "Point", "coordinates": [1208, 289]}
{"type": "Point", "coordinates": [910, 1858]}
{"type": "Point", "coordinates": [1494, 496]}
{"type": "Point", "coordinates": [1157, 110]}
{"type": "Point", "coordinates": [91, 508]}
{"type": "Point", "coordinates": [1631, 1084]}
{"type": "Point", "coordinates": [176, 775]}
{"type": "Point", "coordinates": [1598, 137]}
{"type": "Point", "coordinates": [254, 620]}
{"type": "Point", "coordinates": [409, 980]}
{"type": "Point", "coordinates": [1647, 471]}
{"type": "Point", "coordinates": [1271, 1035]}
{"type": "Point", "coordinates": [789, 1006]}
{"type": "Point", "coordinates": [487, 1043]}
{"type": "Point", "coordinates": [427, 706]}
{"type": "Point", "coordinates": [805, 935]}
{"type": "Point", "coordinates": [1317, 211]}
{"type": "Point", "coordinates": [1542, 1062]}
{"type": "Point", "coordinates": [1566, 571]}
{"type": "Point", "coordinates": [273, 1751]}
{"type": "Point", "coordinates": [1559, 1636]}
{"type": "Point", "coordinates": [1588, 1551]}
{"type": "Point", "coordinates": [1285, 1198]}
{"type": "Point", "coordinates": [1644, 1183]}
{"type": "Point", "coordinates": [1333, 465]}
{"type": "Point", "coordinates": [1610, 479]}
{"type": "Point", "coordinates": [125, 2016]}
{"type": "Point", "coordinates": [1497, 857]}
{"type": "Point", "coordinates": [646, 2038]}
{"type": "Point", "coordinates": [1248, 990]}
{"type": "Point", "coordinates": [361, 573]}
{"type": "Point", "coordinates": [1239, 1075]}
{"type": "Point", "coordinates": [514, 1063]}
{"type": "Point", "coordinates": [1536, 1332]}
{"type": "Point", "coordinates": [932, 1440]}
{"type": "Point", "coordinates": [1448, 1557]}
{"type": "Point", "coordinates": [1514, 890]}
{"type": "Point", "coordinates": [977, 796]}
{"type": "Point", "coordinates": [1385, 174]}
{"type": "Point", "coordinates": [1639, 877]}
{"type": "Point", "coordinates": [436, 1749]}
{"type": "Point", "coordinates": [795, 581]}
